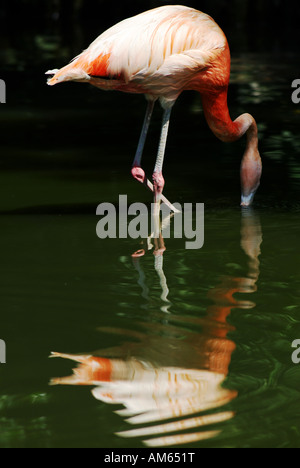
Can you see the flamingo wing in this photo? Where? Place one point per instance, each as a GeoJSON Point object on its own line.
{"type": "Point", "coordinates": [177, 73]}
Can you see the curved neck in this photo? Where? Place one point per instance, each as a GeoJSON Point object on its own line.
{"type": "Point", "coordinates": [216, 112]}
{"type": "Point", "coordinates": [217, 115]}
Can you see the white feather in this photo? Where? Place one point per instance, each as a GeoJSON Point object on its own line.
{"type": "Point", "coordinates": [147, 41]}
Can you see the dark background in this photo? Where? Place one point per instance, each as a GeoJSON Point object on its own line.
{"type": "Point", "coordinates": [65, 27]}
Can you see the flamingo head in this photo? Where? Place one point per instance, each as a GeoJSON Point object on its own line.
{"type": "Point", "coordinates": [251, 172]}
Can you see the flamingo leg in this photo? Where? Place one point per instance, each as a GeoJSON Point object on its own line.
{"type": "Point", "coordinates": [136, 171]}
{"type": "Point", "coordinates": [158, 179]}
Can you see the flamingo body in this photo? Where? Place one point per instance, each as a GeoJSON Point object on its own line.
{"type": "Point", "coordinates": [132, 56]}
{"type": "Point", "coordinates": [161, 53]}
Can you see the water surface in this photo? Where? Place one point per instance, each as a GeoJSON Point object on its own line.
{"type": "Point", "coordinates": [192, 347]}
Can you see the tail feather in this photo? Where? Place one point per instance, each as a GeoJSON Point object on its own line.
{"type": "Point", "coordinates": [71, 357]}
{"type": "Point", "coordinates": [81, 69]}
{"type": "Point", "coordinates": [68, 73]}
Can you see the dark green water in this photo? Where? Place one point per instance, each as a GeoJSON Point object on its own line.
{"type": "Point", "coordinates": [225, 315]}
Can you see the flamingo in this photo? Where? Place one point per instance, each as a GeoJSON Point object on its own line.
{"type": "Point", "coordinates": [161, 53]}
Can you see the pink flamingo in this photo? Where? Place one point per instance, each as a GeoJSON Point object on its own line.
{"type": "Point", "coordinates": [161, 53]}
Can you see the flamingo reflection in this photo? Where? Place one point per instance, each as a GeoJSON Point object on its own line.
{"type": "Point", "coordinates": [155, 241]}
{"type": "Point", "coordinates": [174, 375]}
